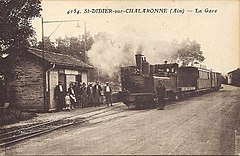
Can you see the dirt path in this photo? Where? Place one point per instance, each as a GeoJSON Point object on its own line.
{"type": "Point", "coordinates": [199, 125]}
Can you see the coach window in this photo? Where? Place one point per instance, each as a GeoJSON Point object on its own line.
{"type": "Point", "coordinates": [200, 75]}
{"type": "Point", "coordinates": [203, 75]}
{"type": "Point", "coordinates": [206, 75]}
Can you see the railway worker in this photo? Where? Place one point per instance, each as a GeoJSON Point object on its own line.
{"type": "Point", "coordinates": [161, 91]}
{"type": "Point", "coordinates": [108, 94]}
{"type": "Point", "coordinates": [84, 95]}
{"type": "Point", "coordinates": [72, 95]}
{"type": "Point", "coordinates": [59, 95]}
{"type": "Point", "coordinates": [97, 93]}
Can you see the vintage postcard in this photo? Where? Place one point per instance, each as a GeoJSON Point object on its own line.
{"type": "Point", "coordinates": [120, 77]}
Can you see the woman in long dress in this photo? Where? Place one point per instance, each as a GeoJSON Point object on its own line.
{"type": "Point", "coordinates": [84, 95]}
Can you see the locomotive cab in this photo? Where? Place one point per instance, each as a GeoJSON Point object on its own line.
{"type": "Point", "coordinates": [168, 73]}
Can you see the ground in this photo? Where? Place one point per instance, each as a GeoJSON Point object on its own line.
{"type": "Point", "coordinates": [199, 125]}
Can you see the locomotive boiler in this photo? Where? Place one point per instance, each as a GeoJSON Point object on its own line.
{"type": "Point", "coordinates": [139, 82]}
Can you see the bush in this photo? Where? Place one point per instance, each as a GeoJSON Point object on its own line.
{"type": "Point", "coordinates": [11, 116]}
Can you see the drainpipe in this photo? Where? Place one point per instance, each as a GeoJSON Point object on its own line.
{"type": "Point", "coordinates": [48, 85]}
{"type": "Point", "coordinates": [54, 65]}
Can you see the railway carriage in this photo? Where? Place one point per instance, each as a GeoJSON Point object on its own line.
{"type": "Point", "coordinates": [215, 80]}
{"type": "Point", "coordinates": [139, 82]}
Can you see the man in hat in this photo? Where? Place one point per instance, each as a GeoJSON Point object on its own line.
{"type": "Point", "coordinates": [77, 90]}
{"type": "Point", "coordinates": [108, 94]}
{"type": "Point", "coordinates": [97, 93]}
{"type": "Point", "coordinates": [59, 95]}
{"type": "Point", "coordinates": [90, 94]}
{"type": "Point", "coordinates": [161, 91]}
{"type": "Point", "coordinates": [84, 96]}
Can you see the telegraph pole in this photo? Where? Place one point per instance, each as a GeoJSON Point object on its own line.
{"type": "Point", "coordinates": [43, 69]}
{"type": "Point", "coordinates": [43, 56]}
{"type": "Point", "coordinates": [85, 40]}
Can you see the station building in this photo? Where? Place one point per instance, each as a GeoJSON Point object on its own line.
{"type": "Point", "coordinates": [37, 75]}
{"type": "Point", "coordinates": [234, 77]}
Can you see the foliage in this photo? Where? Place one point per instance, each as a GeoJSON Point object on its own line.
{"type": "Point", "coordinates": [15, 30]}
{"type": "Point", "coordinates": [188, 52]}
{"type": "Point", "coordinates": [74, 46]}
{"type": "Point", "coordinates": [15, 23]}
{"type": "Point", "coordinates": [48, 45]}
{"type": "Point", "coordinates": [12, 115]}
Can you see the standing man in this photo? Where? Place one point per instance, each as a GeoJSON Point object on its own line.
{"type": "Point", "coordinates": [77, 91]}
{"type": "Point", "coordinates": [108, 94]}
{"type": "Point", "coordinates": [161, 91]}
{"type": "Point", "coordinates": [97, 93]}
{"type": "Point", "coordinates": [84, 96]}
{"type": "Point", "coordinates": [90, 94]}
{"type": "Point", "coordinates": [59, 95]}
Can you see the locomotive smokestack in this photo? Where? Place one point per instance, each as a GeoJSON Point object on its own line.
{"type": "Point", "coordinates": [139, 62]}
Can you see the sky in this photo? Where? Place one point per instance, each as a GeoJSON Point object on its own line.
{"type": "Point", "coordinates": [217, 33]}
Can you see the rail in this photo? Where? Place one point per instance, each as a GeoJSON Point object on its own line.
{"type": "Point", "coordinates": [13, 136]}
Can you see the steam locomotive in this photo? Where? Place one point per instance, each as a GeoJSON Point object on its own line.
{"type": "Point", "coordinates": [139, 82]}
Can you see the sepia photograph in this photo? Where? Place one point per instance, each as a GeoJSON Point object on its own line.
{"type": "Point", "coordinates": [119, 77]}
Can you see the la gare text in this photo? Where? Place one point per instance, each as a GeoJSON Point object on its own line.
{"type": "Point", "coordinates": [147, 10]}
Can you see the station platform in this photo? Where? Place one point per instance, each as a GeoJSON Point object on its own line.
{"type": "Point", "coordinates": [54, 116]}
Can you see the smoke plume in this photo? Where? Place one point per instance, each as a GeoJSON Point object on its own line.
{"type": "Point", "coordinates": [108, 52]}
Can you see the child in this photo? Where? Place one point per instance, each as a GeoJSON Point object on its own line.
{"type": "Point", "coordinates": [67, 101]}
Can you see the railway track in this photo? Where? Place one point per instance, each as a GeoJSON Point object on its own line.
{"type": "Point", "coordinates": [31, 131]}
{"type": "Point", "coordinates": [13, 136]}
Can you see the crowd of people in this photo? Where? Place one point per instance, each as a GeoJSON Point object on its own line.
{"type": "Point", "coordinates": [79, 94]}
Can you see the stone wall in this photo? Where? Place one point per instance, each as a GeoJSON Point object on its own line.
{"type": "Point", "coordinates": [27, 88]}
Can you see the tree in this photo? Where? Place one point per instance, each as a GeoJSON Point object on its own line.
{"type": "Point", "coordinates": [15, 27]}
{"type": "Point", "coordinates": [74, 46]}
{"type": "Point", "coordinates": [15, 23]}
{"type": "Point", "coordinates": [188, 52]}
{"type": "Point", "coordinates": [48, 45]}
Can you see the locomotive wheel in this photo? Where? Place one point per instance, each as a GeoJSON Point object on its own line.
{"type": "Point", "coordinates": [152, 105]}
{"type": "Point", "coordinates": [177, 97]}
{"type": "Point", "coordinates": [144, 105]}
{"type": "Point", "coordinates": [140, 105]}
{"type": "Point", "coordinates": [137, 105]}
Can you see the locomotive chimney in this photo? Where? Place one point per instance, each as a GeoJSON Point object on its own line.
{"type": "Point", "coordinates": [152, 69]}
{"type": "Point", "coordinates": [139, 62]}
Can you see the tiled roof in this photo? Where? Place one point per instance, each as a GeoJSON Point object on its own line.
{"type": "Point", "coordinates": [234, 71]}
{"type": "Point", "coordinates": [59, 59]}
